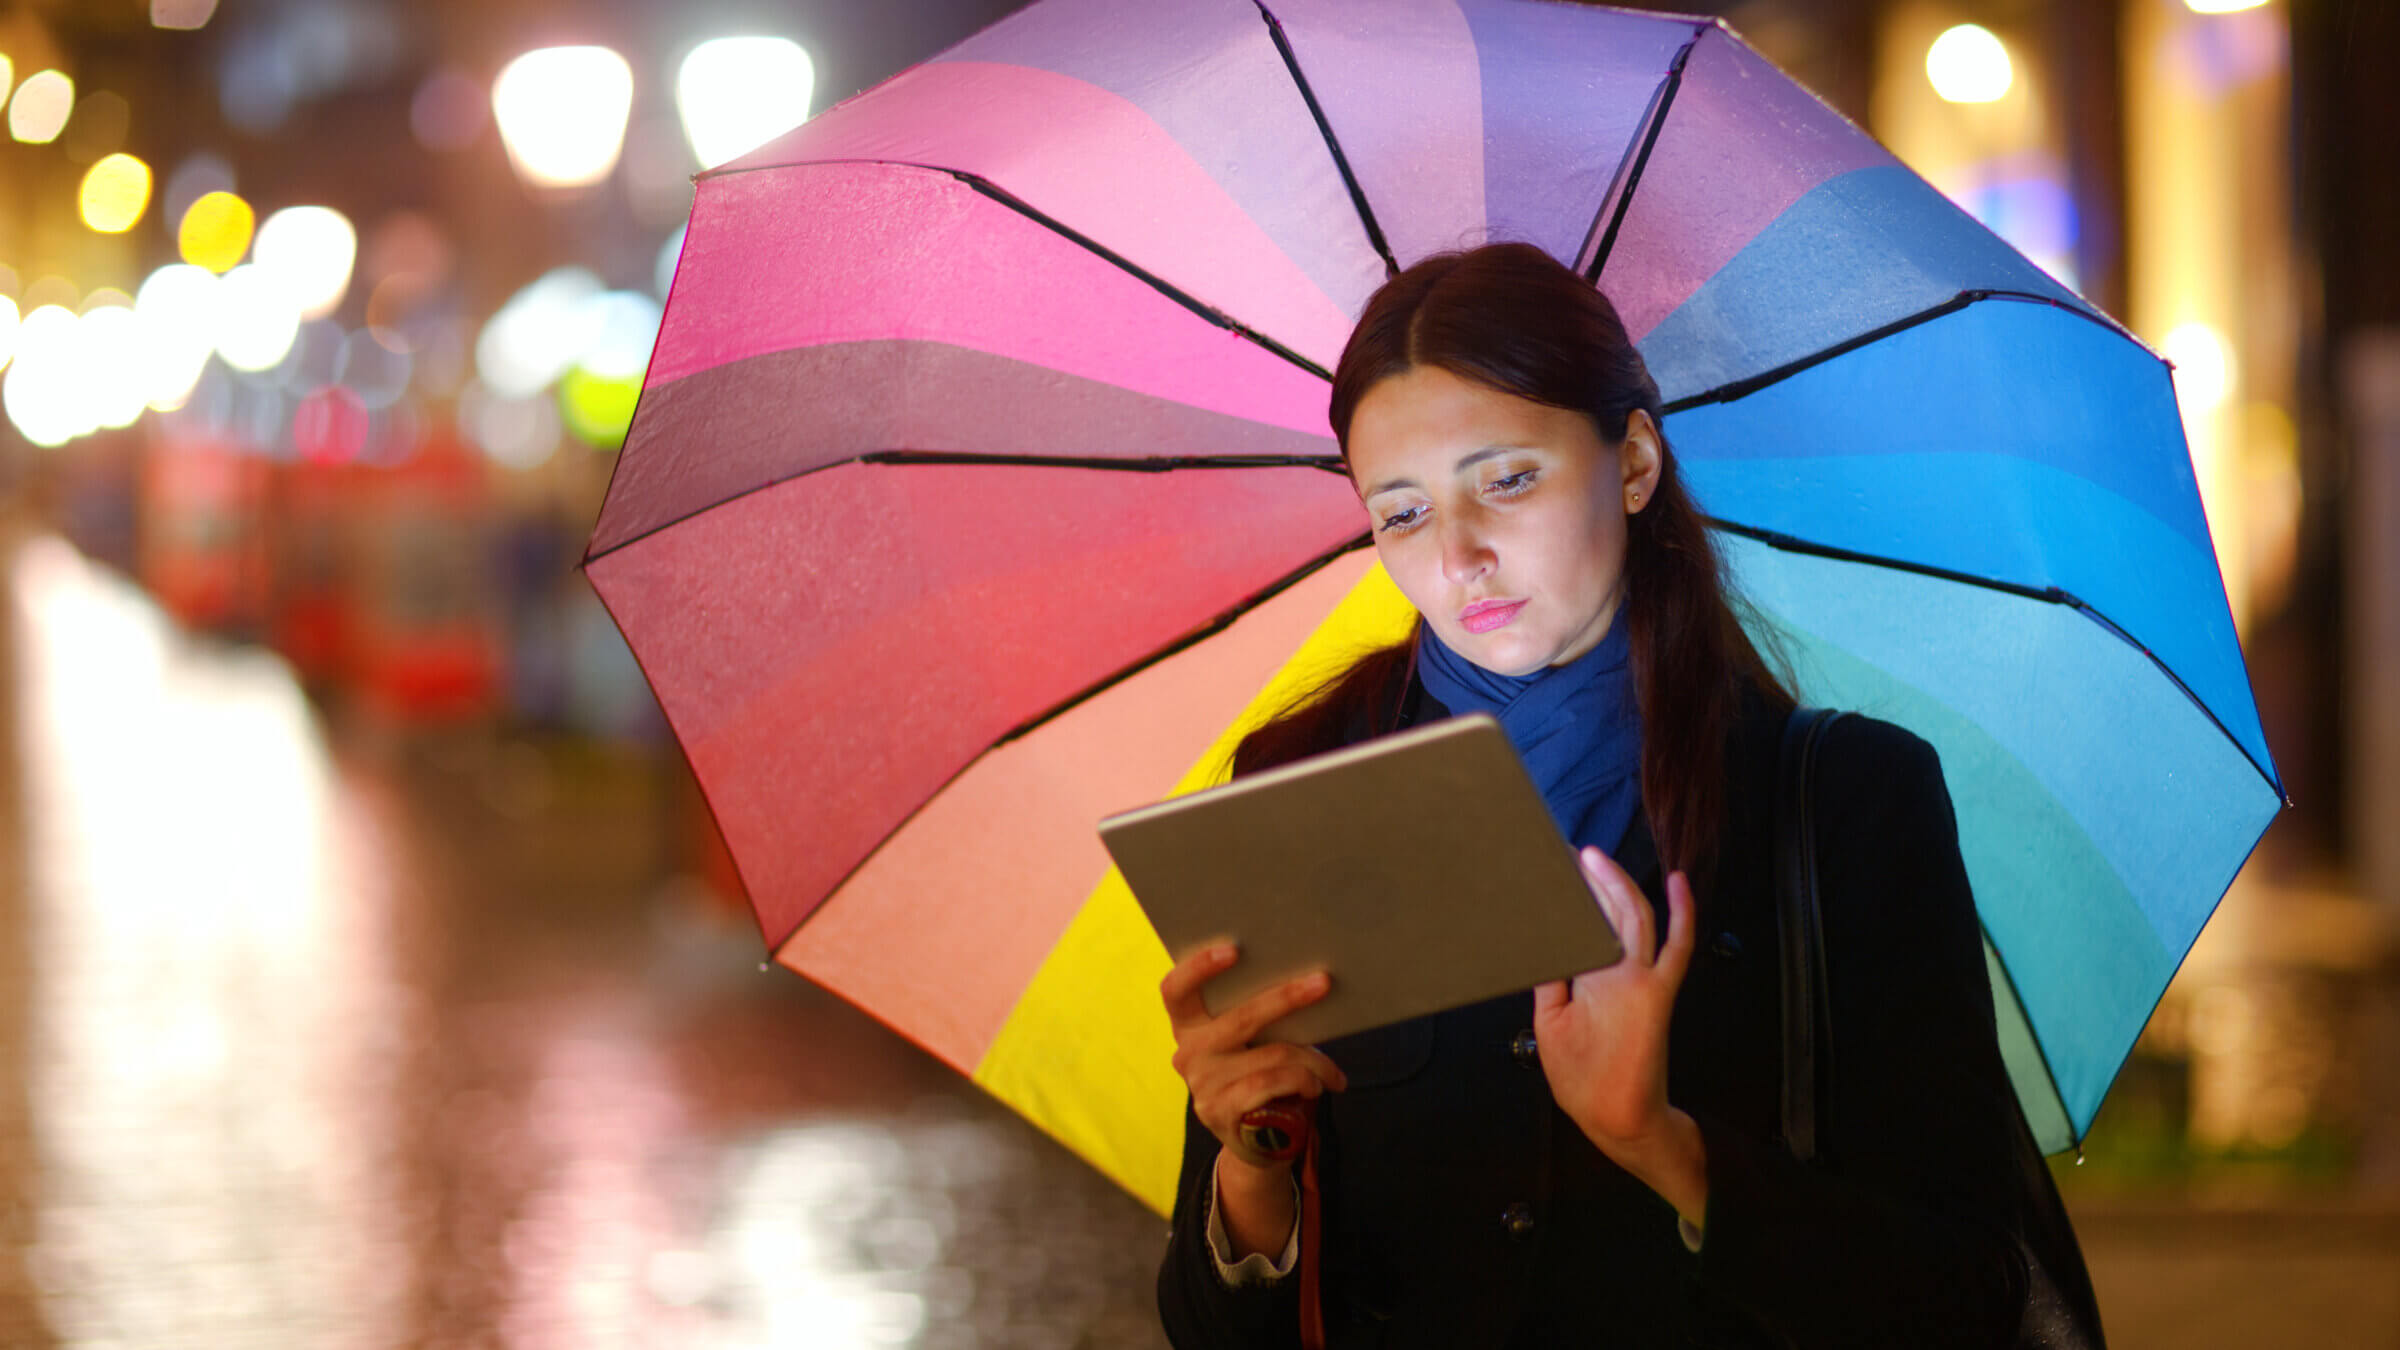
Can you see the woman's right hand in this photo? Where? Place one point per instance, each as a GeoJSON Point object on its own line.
{"type": "Point", "coordinates": [1227, 1074]}
{"type": "Point", "coordinates": [1229, 1077]}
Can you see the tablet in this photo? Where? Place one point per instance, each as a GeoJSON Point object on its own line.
{"type": "Point", "coordinates": [1421, 869]}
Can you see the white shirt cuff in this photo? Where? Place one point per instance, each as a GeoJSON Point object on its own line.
{"type": "Point", "coordinates": [1254, 1268]}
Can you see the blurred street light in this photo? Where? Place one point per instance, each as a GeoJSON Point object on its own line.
{"type": "Point", "coordinates": [2221, 6]}
{"type": "Point", "coordinates": [309, 250]}
{"type": "Point", "coordinates": [541, 331]}
{"type": "Point", "coordinates": [215, 232]}
{"type": "Point", "coordinates": [737, 93]}
{"type": "Point", "coordinates": [178, 309]}
{"type": "Point", "coordinates": [2203, 366]}
{"type": "Point", "coordinates": [1967, 64]}
{"type": "Point", "coordinates": [42, 390]}
{"type": "Point", "coordinates": [39, 110]}
{"type": "Point", "coordinates": [562, 113]}
{"type": "Point", "coordinates": [8, 329]}
{"type": "Point", "coordinates": [181, 13]}
{"type": "Point", "coordinates": [257, 320]}
{"type": "Point", "coordinates": [115, 192]}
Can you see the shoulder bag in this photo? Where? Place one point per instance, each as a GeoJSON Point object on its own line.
{"type": "Point", "coordinates": [2060, 1312]}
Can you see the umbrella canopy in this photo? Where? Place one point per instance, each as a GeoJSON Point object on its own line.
{"type": "Point", "coordinates": [981, 486]}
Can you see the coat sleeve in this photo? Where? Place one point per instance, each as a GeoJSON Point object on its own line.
{"type": "Point", "coordinates": [1197, 1309]}
{"type": "Point", "coordinates": [1903, 1234]}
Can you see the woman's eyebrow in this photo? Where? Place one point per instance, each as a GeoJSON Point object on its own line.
{"type": "Point", "coordinates": [1466, 461]}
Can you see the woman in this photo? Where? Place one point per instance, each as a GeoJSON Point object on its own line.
{"type": "Point", "coordinates": [1597, 1161]}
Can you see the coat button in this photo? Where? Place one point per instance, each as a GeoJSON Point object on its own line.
{"type": "Point", "coordinates": [1523, 1048]}
{"type": "Point", "coordinates": [1725, 944]}
{"type": "Point", "coordinates": [1517, 1220]}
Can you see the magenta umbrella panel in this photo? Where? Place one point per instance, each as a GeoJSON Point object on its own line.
{"type": "Point", "coordinates": [1004, 382]}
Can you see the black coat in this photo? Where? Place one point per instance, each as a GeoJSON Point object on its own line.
{"type": "Point", "coordinates": [1448, 1140]}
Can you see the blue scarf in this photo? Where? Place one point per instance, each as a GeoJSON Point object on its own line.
{"type": "Point", "coordinates": [1576, 726]}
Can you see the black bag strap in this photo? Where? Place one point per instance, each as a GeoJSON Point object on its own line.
{"type": "Point", "coordinates": [1807, 1031]}
{"type": "Point", "coordinates": [2059, 1311]}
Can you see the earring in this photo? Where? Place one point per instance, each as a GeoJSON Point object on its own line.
{"type": "Point", "coordinates": [1637, 499]}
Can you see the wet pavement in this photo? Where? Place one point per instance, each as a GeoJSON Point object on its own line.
{"type": "Point", "coordinates": [313, 1033]}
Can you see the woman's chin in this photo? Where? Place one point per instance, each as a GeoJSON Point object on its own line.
{"type": "Point", "coordinates": [1500, 653]}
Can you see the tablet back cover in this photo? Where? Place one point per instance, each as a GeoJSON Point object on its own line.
{"type": "Point", "coordinates": [1422, 869]}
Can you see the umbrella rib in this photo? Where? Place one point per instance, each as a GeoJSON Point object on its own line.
{"type": "Point", "coordinates": [1202, 633]}
{"type": "Point", "coordinates": [2049, 594]}
{"type": "Point", "coordinates": [1341, 162]}
{"type": "Point", "coordinates": [1144, 464]}
{"type": "Point", "coordinates": [1148, 278]}
{"type": "Point", "coordinates": [1751, 384]}
{"type": "Point", "coordinates": [1619, 198]}
{"type": "Point", "coordinates": [1190, 639]}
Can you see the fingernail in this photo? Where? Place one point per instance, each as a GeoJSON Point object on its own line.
{"type": "Point", "coordinates": [1223, 951]}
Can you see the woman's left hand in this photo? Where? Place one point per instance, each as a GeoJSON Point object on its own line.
{"type": "Point", "coordinates": [1603, 1037]}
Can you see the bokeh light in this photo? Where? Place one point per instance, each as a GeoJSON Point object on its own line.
{"type": "Point", "coordinates": [562, 113]}
{"type": "Point", "coordinates": [598, 408]}
{"type": "Point", "coordinates": [2203, 367]}
{"type": "Point", "coordinates": [516, 433]}
{"type": "Point", "coordinates": [737, 93]}
{"type": "Point", "coordinates": [178, 309]}
{"type": "Point", "coordinates": [42, 390]}
{"type": "Point", "coordinates": [98, 126]}
{"type": "Point", "coordinates": [113, 385]}
{"type": "Point", "coordinates": [215, 232]}
{"type": "Point", "coordinates": [622, 328]}
{"type": "Point", "coordinates": [541, 331]}
{"type": "Point", "coordinates": [195, 177]}
{"type": "Point", "coordinates": [8, 329]}
{"type": "Point", "coordinates": [183, 14]}
{"type": "Point", "coordinates": [1969, 64]}
{"type": "Point", "coordinates": [330, 426]}
{"type": "Point", "coordinates": [256, 319]}
{"type": "Point", "coordinates": [447, 111]}
{"type": "Point", "coordinates": [51, 289]}
{"type": "Point", "coordinates": [115, 193]}
{"type": "Point", "coordinates": [375, 372]}
{"type": "Point", "coordinates": [309, 250]}
{"type": "Point", "coordinates": [8, 78]}
{"type": "Point", "coordinates": [2221, 6]}
{"type": "Point", "coordinates": [38, 111]}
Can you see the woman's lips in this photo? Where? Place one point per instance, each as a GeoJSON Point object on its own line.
{"type": "Point", "coordinates": [1485, 615]}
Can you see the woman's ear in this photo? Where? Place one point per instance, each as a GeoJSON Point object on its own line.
{"type": "Point", "coordinates": [1638, 458]}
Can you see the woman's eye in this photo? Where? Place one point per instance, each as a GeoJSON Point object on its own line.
{"type": "Point", "coordinates": [1511, 485]}
{"type": "Point", "coordinates": [1401, 520]}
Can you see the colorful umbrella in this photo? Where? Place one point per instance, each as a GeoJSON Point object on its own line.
{"type": "Point", "coordinates": [979, 487]}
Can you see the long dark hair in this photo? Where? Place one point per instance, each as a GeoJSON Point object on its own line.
{"type": "Point", "coordinates": [1510, 317]}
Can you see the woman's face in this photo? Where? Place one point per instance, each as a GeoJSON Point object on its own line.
{"type": "Point", "coordinates": [1501, 519]}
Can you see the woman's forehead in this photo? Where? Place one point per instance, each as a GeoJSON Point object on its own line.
{"type": "Point", "coordinates": [1427, 421]}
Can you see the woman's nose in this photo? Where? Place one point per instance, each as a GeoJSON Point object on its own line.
{"type": "Point", "coordinates": [1466, 553]}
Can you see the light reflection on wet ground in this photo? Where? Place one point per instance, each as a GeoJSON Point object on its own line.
{"type": "Point", "coordinates": [344, 1038]}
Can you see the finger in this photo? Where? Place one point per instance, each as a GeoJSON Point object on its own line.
{"type": "Point", "coordinates": [1180, 990]}
{"type": "Point", "coordinates": [1252, 1015]}
{"type": "Point", "coordinates": [1547, 997]}
{"type": "Point", "coordinates": [1327, 1072]}
{"type": "Point", "coordinates": [1237, 1084]}
{"type": "Point", "coordinates": [1629, 909]}
{"type": "Point", "coordinates": [1676, 957]}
